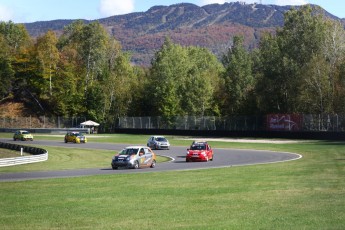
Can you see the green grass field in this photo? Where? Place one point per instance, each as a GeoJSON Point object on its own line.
{"type": "Point", "coordinates": [303, 194]}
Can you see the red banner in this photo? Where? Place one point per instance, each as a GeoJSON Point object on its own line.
{"type": "Point", "coordinates": [284, 122]}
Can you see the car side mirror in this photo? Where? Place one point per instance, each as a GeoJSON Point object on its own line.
{"type": "Point", "coordinates": [187, 149]}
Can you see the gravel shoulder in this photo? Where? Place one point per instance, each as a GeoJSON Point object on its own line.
{"type": "Point", "coordinates": [248, 140]}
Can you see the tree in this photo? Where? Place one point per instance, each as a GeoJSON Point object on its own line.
{"type": "Point", "coordinates": [288, 62]}
{"type": "Point", "coordinates": [182, 82]}
{"type": "Point", "coordinates": [340, 89]}
{"type": "Point", "coordinates": [47, 55]}
{"type": "Point", "coordinates": [199, 85]}
{"type": "Point", "coordinates": [6, 74]}
{"type": "Point", "coordinates": [14, 42]}
{"type": "Point", "coordinates": [238, 79]}
{"type": "Point", "coordinates": [93, 49]}
{"type": "Point", "coordinates": [15, 35]}
{"type": "Point", "coordinates": [300, 40]}
{"type": "Point", "coordinates": [119, 85]}
{"type": "Point", "coordinates": [333, 50]}
{"type": "Point", "coordinates": [317, 90]}
{"type": "Point", "coordinates": [90, 43]}
{"type": "Point", "coordinates": [6, 71]}
{"type": "Point", "coordinates": [69, 93]}
{"type": "Point", "coordinates": [169, 67]}
{"type": "Point", "coordinates": [272, 86]}
{"type": "Point", "coordinates": [86, 46]}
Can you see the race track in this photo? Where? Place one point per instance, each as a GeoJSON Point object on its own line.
{"type": "Point", "coordinates": [222, 158]}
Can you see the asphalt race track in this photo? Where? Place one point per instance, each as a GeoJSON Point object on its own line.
{"type": "Point", "coordinates": [222, 158]}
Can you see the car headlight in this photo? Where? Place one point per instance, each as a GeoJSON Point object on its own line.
{"type": "Point", "coordinates": [203, 153]}
{"type": "Point", "coordinates": [131, 160]}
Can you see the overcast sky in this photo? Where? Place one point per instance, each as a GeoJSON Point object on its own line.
{"type": "Point", "coordinates": [20, 11]}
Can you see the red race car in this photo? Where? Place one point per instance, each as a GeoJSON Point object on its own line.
{"type": "Point", "coordinates": [199, 151]}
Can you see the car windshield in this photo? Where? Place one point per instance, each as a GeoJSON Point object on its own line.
{"type": "Point", "coordinates": [77, 134]}
{"type": "Point", "coordinates": [25, 132]}
{"type": "Point", "coordinates": [161, 139]}
{"type": "Point", "coordinates": [130, 151]}
{"type": "Point", "coordinates": [198, 147]}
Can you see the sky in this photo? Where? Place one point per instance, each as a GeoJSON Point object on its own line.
{"type": "Point", "coordinates": [25, 11]}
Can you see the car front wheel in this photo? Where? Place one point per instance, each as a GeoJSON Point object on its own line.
{"type": "Point", "coordinates": [153, 164]}
{"type": "Point", "coordinates": [136, 165]}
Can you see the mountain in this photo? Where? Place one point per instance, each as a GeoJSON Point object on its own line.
{"type": "Point", "coordinates": [211, 26]}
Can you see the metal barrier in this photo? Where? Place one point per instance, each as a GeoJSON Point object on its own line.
{"type": "Point", "coordinates": [39, 155]}
{"type": "Point", "coordinates": [23, 160]}
{"type": "Point", "coordinates": [269, 122]}
{"type": "Point", "coordinates": [48, 131]}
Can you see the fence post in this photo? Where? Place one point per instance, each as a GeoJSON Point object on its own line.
{"type": "Point", "coordinates": [337, 122]}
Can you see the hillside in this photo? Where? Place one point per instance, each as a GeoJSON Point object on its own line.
{"type": "Point", "coordinates": [210, 26]}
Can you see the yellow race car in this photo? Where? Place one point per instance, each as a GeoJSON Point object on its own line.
{"type": "Point", "coordinates": [75, 137]}
{"type": "Point", "coordinates": [23, 135]}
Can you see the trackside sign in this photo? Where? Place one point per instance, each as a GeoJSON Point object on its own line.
{"type": "Point", "coordinates": [284, 122]}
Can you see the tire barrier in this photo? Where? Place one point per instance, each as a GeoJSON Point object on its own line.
{"type": "Point", "coordinates": [36, 155]}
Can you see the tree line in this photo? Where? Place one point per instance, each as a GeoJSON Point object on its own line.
{"type": "Point", "coordinates": [300, 68]}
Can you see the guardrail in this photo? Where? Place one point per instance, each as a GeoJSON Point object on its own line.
{"type": "Point", "coordinates": [48, 130]}
{"type": "Point", "coordinates": [38, 155]}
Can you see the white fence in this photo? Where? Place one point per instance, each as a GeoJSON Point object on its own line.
{"type": "Point", "coordinates": [23, 160]}
{"type": "Point", "coordinates": [37, 154]}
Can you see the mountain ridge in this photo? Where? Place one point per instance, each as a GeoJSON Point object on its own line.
{"type": "Point", "coordinates": [211, 26]}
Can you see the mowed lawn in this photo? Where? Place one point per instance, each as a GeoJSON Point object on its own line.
{"type": "Point", "coordinates": [305, 194]}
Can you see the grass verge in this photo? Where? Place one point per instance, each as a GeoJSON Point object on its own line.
{"type": "Point", "coordinates": [7, 153]}
{"type": "Point", "coordinates": [303, 194]}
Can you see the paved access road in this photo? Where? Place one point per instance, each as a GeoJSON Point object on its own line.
{"type": "Point", "coordinates": [222, 158]}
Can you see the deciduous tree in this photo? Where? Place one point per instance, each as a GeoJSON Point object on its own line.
{"type": "Point", "coordinates": [238, 79]}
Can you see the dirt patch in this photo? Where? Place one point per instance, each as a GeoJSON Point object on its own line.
{"type": "Point", "coordinates": [245, 140]}
{"type": "Point", "coordinates": [12, 109]}
{"type": "Point", "coordinates": [17, 115]}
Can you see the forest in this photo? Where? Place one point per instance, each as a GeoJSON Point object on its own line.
{"type": "Point", "coordinates": [300, 68]}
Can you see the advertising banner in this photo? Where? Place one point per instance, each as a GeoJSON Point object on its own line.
{"type": "Point", "coordinates": [284, 122]}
